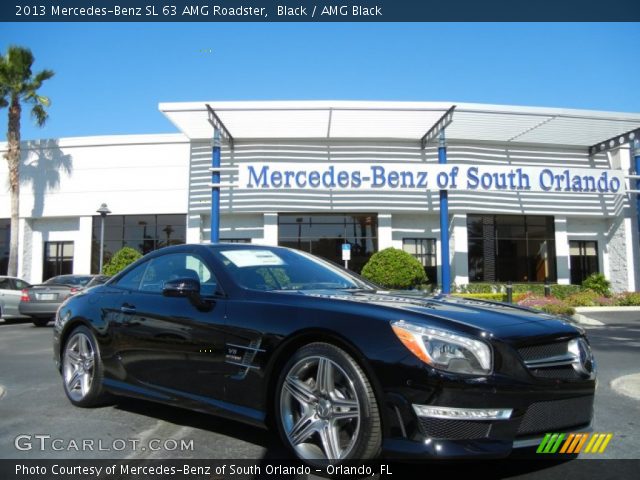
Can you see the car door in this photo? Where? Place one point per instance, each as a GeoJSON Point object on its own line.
{"type": "Point", "coordinates": [173, 344]}
{"type": "Point", "coordinates": [10, 293]}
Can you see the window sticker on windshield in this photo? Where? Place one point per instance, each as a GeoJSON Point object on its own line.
{"type": "Point", "coordinates": [252, 258]}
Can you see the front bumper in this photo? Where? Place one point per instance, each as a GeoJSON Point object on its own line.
{"type": "Point", "coordinates": [506, 414]}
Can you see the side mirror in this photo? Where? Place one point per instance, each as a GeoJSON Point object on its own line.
{"type": "Point", "coordinates": [182, 287]}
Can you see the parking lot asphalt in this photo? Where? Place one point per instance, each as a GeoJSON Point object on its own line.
{"type": "Point", "coordinates": [34, 404]}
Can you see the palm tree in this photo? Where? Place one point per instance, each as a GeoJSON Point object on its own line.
{"type": "Point", "coordinates": [19, 85]}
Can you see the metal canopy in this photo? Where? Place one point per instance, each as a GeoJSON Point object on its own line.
{"type": "Point", "coordinates": [397, 120]}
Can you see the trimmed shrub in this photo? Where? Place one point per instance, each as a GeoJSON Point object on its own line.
{"type": "Point", "coordinates": [563, 291]}
{"type": "Point", "coordinates": [547, 304]}
{"type": "Point", "coordinates": [494, 297]}
{"type": "Point", "coordinates": [122, 259]}
{"type": "Point", "coordinates": [629, 299]}
{"type": "Point", "coordinates": [586, 298]}
{"type": "Point", "coordinates": [478, 288]}
{"type": "Point", "coordinates": [598, 283]}
{"type": "Point", "coordinates": [393, 268]}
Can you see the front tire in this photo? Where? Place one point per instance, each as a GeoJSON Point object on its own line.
{"type": "Point", "coordinates": [325, 406]}
{"type": "Point", "coordinates": [82, 370]}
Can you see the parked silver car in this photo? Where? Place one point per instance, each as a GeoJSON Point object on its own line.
{"type": "Point", "coordinates": [10, 293]}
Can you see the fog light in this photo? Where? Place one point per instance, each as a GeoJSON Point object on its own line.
{"type": "Point", "coordinates": [463, 413]}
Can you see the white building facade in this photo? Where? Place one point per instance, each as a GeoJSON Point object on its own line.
{"type": "Point", "coordinates": [158, 188]}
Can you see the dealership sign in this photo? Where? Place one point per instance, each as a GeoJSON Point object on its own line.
{"type": "Point", "coordinates": [421, 176]}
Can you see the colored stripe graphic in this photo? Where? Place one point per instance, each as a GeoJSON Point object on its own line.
{"type": "Point", "coordinates": [572, 443]}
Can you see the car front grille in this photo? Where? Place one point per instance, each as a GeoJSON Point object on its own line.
{"type": "Point", "coordinates": [549, 361]}
{"type": "Point", "coordinates": [554, 415]}
{"type": "Point", "coordinates": [541, 352]}
{"type": "Point", "coordinates": [443, 429]}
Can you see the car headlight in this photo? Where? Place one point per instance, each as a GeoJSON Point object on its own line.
{"type": "Point", "coordinates": [445, 350]}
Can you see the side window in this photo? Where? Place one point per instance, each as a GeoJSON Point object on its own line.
{"type": "Point", "coordinates": [5, 284]}
{"type": "Point", "coordinates": [160, 270]}
{"type": "Point", "coordinates": [21, 284]}
{"type": "Point", "coordinates": [131, 280]}
{"type": "Point", "coordinates": [208, 283]}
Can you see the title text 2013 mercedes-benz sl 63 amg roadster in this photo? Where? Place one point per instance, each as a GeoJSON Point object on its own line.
{"type": "Point", "coordinates": [343, 370]}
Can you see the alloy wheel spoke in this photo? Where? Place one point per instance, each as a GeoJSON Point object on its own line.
{"type": "Point", "coordinates": [74, 357]}
{"type": "Point", "coordinates": [85, 383]}
{"type": "Point", "coordinates": [345, 408]}
{"type": "Point", "coordinates": [324, 377]}
{"type": "Point", "coordinates": [330, 441]}
{"type": "Point", "coordinates": [88, 363]}
{"type": "Point", "coordinates": [84, 346]}
{"type": "Point", "coordinates": [76, 378]}
{"type": "Point", "coordinates": [306, 426]}
{"type": "Point", "coordinates": [299, 390]}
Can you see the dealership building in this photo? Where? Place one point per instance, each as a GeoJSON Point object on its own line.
{"type": "Point", "coordinates": [531, 194]}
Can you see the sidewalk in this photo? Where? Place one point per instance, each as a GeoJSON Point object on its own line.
{"type": "Point", "coordinates": [583, 317]}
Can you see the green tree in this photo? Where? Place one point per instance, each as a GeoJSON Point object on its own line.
{"type": "Point", "coordinates": [122, 259]}
{"type": "Point", "coordinates": [393, 268]}
{"type": "Point", "coordinates": [18, 85]}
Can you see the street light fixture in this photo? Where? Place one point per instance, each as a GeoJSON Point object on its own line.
{"type": "Point", "coordinates": [103, 211]}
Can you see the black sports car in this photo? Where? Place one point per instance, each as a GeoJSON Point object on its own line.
{"type": "Point", "coordinates": [343, 370]}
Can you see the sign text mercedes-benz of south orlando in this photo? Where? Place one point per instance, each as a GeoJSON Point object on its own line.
{"type": "Point", "coordinates": [422, 176]}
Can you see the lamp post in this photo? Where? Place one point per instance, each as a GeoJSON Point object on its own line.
{"type": "Point", "coordinates": [103, 211]}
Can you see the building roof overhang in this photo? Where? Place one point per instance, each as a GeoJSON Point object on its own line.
{"type": "Point", "coordinates": [378, 120]}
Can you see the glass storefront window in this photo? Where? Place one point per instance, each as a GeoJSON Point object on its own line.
{"type": "Point", "coordinates": [513, 248]}
{"type": "Point", "coordinates": [424, 249]}
{"type": "Point", "coordinates": [143, 233]}
{"type": "Point", "coordinates": [583, 256]}
{"type": "Point", "coordinates": [324, 234]}
{"type": "Point", "coordinates": [5, 241]}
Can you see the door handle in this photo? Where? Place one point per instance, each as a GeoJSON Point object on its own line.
{"type": "Point", "coordinates": [126, 308]}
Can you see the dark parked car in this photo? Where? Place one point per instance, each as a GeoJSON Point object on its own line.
{"type": "Point", "coordinates": [40, 302]}
{"type": "Point", "coordinates": [272, 336]}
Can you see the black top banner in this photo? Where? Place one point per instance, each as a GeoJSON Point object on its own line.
{"type": "Point", "coordinates": [319, 11]}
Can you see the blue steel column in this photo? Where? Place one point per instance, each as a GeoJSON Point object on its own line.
{"type": "Point", "coordinates": [635, 145]}
{"type": "Point", "coordinates": [215, 187]}
{"type": "Point", "coordinates": [444, 223]}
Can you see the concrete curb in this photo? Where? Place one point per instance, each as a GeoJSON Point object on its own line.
{"type": "Point", "coordinates": [584, 320]}
{"type": "Point", "coordinates": [607, 309]}
{"type": "Point", "coordinates": [628, 385]}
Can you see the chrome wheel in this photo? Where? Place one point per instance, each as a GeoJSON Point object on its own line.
{"type": "Point", "coordinates": [78, 366]}
{"type": "Point", "coordinates": [319, 409]}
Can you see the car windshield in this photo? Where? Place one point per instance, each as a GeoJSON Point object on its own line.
{"type": "Point", "coordinates": [98, 280]}
{"type": "Point", "coordinates": [74, 280]}
{"type": "Point", "coordinates": [281, 269]}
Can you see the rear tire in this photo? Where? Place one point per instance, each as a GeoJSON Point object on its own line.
{"type": "Point", "coordinates": [40, 322]}
{"type": "Point", "coordinates": [82, 369]}
{"type": "Point", "coordinates": [325, 407]}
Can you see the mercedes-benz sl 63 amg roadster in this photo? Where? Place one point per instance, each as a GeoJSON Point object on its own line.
{"type": "Point", "coordinates": [341, 368]}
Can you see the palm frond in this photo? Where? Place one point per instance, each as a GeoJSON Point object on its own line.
{"type": "Point", "coordinates": [40, 114]}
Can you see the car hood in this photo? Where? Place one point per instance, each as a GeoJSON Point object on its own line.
{"type": "Point", "coordinates": [496, 319]}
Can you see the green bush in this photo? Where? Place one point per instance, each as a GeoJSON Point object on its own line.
{"type": "Point", "coordinates": [563, 291]}
{"type": "Point", "coordinates": [478, 288]}
{"type": "Point", "coordinates": [629, 299]}
{"type": "Point", "coordinates": [547, 304]}
{"type": "Point", "coordinates": [122, 259]}
{"type": "Point", "coordinates": [393, 268]}
{"type": "Point", "coordinates": [558, 309]}
{"type": "Point", "coordinates": [586, 298]}
{"type": "Point", "coordinates": [598, 283]}
{"type": "Point", "coordinates": [495, 297]}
